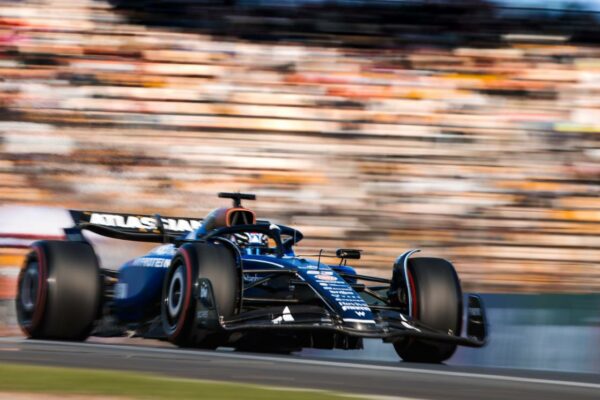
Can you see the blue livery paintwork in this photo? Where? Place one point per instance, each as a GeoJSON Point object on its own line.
{"type": "Point", "coordinates": [141, 279]}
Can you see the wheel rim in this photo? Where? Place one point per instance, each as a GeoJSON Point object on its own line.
{"type": "Point", "coordinates": [29, 287]}
{"type": "Point", "coordinates": [175, 295]}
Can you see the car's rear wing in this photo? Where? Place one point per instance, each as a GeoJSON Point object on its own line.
{"type": "Point", "coordinates": [144, 228]}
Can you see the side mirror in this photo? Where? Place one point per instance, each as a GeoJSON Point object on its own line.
{"type": "Point", "coordinates": [348, 254]}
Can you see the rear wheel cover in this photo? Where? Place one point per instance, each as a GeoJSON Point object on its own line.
{"type": "Point", "coordinates": [31, 292]}
{"type": "Point", "coordinates": [59, 292]}
{"type": "Point", "coordinates": [177, 296]}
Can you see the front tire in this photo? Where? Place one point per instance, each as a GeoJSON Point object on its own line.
{"type": "Point", "coordinates": [436, 302]}
{"type": "Point", "coordinates": [59, 291]}
{"type": "Point", "coordinates": [214, 262]}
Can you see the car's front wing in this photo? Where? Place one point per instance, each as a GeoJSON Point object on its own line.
{"type": "Point", "coordinates": [389, 325]}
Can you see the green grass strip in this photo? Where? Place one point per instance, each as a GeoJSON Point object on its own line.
{"type": "Point", "coordinates": [35, 379]}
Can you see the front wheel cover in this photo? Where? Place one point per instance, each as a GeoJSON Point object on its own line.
{"type": "Point", "coordinates": [179, 303]}
{"type": "Point", "coordinates": [437, 302]}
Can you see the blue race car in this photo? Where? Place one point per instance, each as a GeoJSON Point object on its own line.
{"type": "Point", "coordinates": [232, 280]}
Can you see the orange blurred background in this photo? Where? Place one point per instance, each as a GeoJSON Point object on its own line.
{"type": "Point", "coordinates": [482, 151]}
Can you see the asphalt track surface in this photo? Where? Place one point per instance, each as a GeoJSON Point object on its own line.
{"type": "Point", "coordinates": [396, 379]}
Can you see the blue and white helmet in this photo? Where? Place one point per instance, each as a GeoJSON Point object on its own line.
{"type": "Point", "coordinates": [250, 239]}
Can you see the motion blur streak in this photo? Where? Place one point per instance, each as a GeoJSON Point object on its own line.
{"type": "Point", "coordinates": [415, 381]}
{"type": "Point", "coordinates": [466, 128]}
{"type": "Point", "coordinates": [370, 130]}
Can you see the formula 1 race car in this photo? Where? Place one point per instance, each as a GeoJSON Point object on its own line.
{"type": "Point", "coordinates": [232, 280]}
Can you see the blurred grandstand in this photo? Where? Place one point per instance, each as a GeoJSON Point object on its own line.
{"type": "Point", "coordinates": [463, 130]}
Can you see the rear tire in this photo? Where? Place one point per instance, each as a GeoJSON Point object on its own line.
{"type": "Point", "coordinates": [59, 291]}
{"type": "Point", "coordinates": [179, 301]}
{"type": "Point", "coordinates": [437, 303]}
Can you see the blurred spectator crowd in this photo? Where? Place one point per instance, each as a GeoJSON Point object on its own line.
{"type": "Point", "coordinates": [486, 154]}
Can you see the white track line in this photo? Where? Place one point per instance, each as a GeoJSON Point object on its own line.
{"type": "Point", "coordinates": [291, 360]}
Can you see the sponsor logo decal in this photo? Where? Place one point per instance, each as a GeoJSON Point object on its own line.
{"type": "Point", "coordinates": [202, 315]}
{"type": "Point", "coordinates": [120, 291]}
{"type": "Point", "coordinates": [255, 238]}
{"type": "Point", "coordinates": [286, 316]}
{"type": "Point", "coordinates": [152, 262]}
{"type": "Point", "coordinates": [166, 250]}
{"type": "Point", "coordinates": [203, 292]}
{"type": "Point", "coordinates": [338, 290]}
{"type": "Point", "coordinates": [362, 321]}
{"type": "Point", "coordinates": [326, 277]}
{"type": "Point", "coordinates": [144, 223]}
{"type": "Point", "coordinates": [309, 266]}
{"type": "Point", "coordinates": [354, 307]}
{"type": "Point", "coordinates": [251, 278]}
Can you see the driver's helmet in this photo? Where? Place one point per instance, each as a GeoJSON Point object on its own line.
{"type": "Point", "coordinates": [251, 242]}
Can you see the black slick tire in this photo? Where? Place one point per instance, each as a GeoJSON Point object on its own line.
{"type": "Point", "coordinates": [436, 302]}
{"type": "Point", "coordinates": [59, 291]}
{"type": "Point", "coordinates": [214, 262]}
